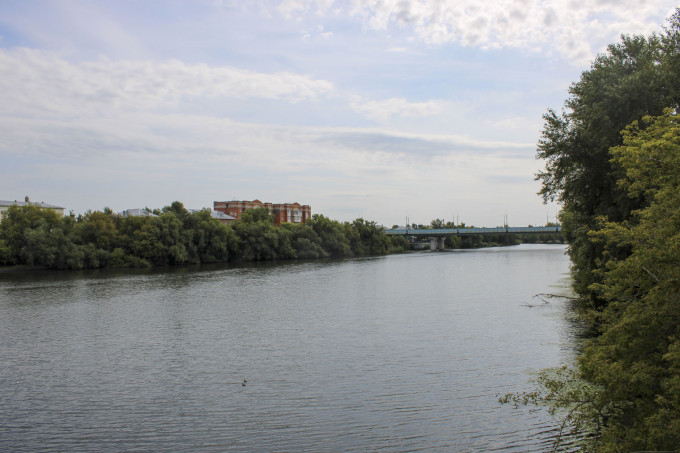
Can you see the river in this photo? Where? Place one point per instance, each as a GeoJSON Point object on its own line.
{"type": "Point", "coordinates": [398, 353]}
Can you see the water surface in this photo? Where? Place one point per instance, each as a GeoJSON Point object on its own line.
{"type": "Point", "coordinates": [398, 353]}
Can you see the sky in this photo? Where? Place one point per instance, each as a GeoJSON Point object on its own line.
{"type": "Point", "coordinates": [383, 109]}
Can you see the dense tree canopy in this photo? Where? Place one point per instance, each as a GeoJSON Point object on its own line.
{"type": "Point", "coordinates": [636, 359]}
{"type": "Point", "coordinates": [613, 161]}
{"type": "Point", "coordinates": [624, 84]}
{"type": "Point", "coordinates": [39, 237]}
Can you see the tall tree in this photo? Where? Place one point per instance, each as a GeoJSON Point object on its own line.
{"type": "Point", "coordinates": [636, 359]}
{"type": "Point", "coordinates": [621, 214]}
{"type": "Point", "coordinates": [624, 394]}
{"type": "Point", "coordinates": [627, 82]}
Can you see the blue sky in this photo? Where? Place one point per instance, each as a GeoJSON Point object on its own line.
{"type": "Point", "coordinates": [379, 109]}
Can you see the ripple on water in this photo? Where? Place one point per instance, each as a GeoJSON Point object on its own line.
{"type": "Point", "coordinates": [403, 353]}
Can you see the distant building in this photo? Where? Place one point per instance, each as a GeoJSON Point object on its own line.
{"type": "Point", "coordinates": [221, 216]}
{"type": "Point", "coordinates": [282, 212]}
{"type": "Point", "coordinates": [4, 205]}
{"type": "Point", "coordinates": [136, 212]}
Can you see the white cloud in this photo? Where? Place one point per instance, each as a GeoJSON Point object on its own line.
{"type": "Point", "coordinates": [220, 141]}
{"type": "Point", "coordinates": [382, 111]}
{"type": "Point", "coordinates": [572, 28]}
{"type": "Point", "coordinates": [36, 82]}
{"type": "Point", "coordinates": [575, 29]}
{"type": "Point", "coordinates": [128, 130]}
{"type": "Point", "coordinates": [317, 32]}
{"type": "Point", "coordinates": [295, 8]}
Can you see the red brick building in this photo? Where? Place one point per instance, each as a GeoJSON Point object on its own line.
{"type": "Point", "coordinates": [282, 212]}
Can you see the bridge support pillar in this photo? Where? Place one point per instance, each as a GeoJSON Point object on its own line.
{"type": "Point", "coordinates": [437, 243]}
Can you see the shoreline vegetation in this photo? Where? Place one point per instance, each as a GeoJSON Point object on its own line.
{"type": "Point", "coordinates": [612, 159]}
{"type": "Point", "coordinates": [35, 238]}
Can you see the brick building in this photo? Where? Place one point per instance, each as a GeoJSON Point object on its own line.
{"type": "Point", "coordinates": [282, 212]}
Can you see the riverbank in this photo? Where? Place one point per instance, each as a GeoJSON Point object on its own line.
{"type": "Point", "coordinates": [37, 238]}
{"type": "Point", "coordinates": [30, 236]}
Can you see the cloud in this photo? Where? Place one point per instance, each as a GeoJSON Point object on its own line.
{"type": "Point", "coordinates": [152, 158]}
{"type": "Point", "coordinates": [574, 29]}
{"type": "Point", "coordinates": [317, 32]}
{"type": "Point", "coordinates": [383, 142]}
{"type": "Point", "coordinates": [570, 28]}
{"type": "Point", "coordinates": [295, 8]}
{"type": "Point", "coordinates": [421, 147]}
{"type": "Point", "coordinates": [218, 141]}
{"type": "Point", "coordinates": [382, 111]}
{"type": "Point", "coordinates": [138, 128]}
{"type": "Point", "coordinates": [34, 82]}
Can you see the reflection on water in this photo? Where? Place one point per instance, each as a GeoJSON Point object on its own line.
{"type": "Point", "coordinates": [399, 353]}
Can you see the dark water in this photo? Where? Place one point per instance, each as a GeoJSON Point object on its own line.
{"type": "Point", "coordinates": [399, 353]}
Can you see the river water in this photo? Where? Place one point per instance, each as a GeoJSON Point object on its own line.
{"type": "Point", "coordinates": [398, 353]}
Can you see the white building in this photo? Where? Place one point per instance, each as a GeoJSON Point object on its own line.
{"type": "Point", "coordinates": [5, 204]}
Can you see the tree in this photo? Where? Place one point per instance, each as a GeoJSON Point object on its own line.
{"type": "Point", "coordinates": [331, 234]}
{"type": "Point", "coordinates": [177, 208]}
{"type": "Point", "coordinates": [636, 359]}
{"type": "Point", "coordinates": [256, 215]}
{"type": "Point", "coordinates": [624, 84]}
{"type": "Point", "coordinates": [258, 238]}
{"type": "Point", "coordinates": [624, 394]}
{"type": "Point", "coordinates": [621, 215]}
{"type": "Point", "coordinates": [366, 238]}
{"type": "Point", "coordinates": [671, 56]}
{"type": "Point", "coordinates": [210, 239]}
{"type": "Point", "coordinates": [17, 222]}
{"type": "Point", "coordinates": [438, 224]}
{"type": "Point", "coordinates": [37, 237]}
{"type": "Point", "coordinates": [306, 241]}
{"type": "Point", "coordinates": [97, 228]}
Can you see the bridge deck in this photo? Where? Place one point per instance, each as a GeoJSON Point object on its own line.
{"type": "Point", "coordinates": [471, 231]}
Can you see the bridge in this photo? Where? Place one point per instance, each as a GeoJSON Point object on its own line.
{"type": "Point", "coordinates": [438, 236]}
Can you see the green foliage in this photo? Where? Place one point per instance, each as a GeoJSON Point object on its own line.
{"type": "Point", "coordinates": [209, 240]}
{"type": "Point", "coordinates": [97, 228]}
{"type": "Point", "coordinates": [305, 241]}
{"type": "Point", "coordinates": [5, 252]}
{"type": "Point", "coordinates": [398, 244]}
{"type": "Point", "coordinates": [573, 401]}
{"type": "Point", "coordinates": [366, 238]}
{"type": "Point", "coordinates": [635, 358]}
{"type": "Point", "coordinates": [438, 223]}
{"type": "Point", "coordinates": [18, 220]}
{"type": "Point", "coordinates": [621, 217]}
{"type": "Point", "coordinates": [259, 239]}
{"type": "Point", "coordinates": [257, 215]}
{"type": "Point", "coordinates": [628, 81]}
{"type": "Point", "coordinates": [332, 235]}
{"type": "Point", "coordinates": [37, 237]}
{"type": "Point", "coordinates": [625, 393]}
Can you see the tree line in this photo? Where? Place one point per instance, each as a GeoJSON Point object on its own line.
{"type": "Point", "coordinates": [98, 239]}
{"type": "Point", "coordinates": [613, 160]}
